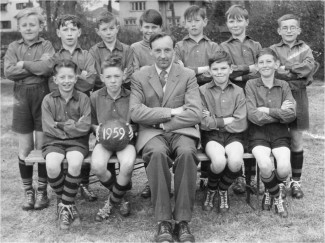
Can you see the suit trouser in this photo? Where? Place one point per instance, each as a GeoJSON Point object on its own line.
{"type": "Point", "coordinates": [158, 153]}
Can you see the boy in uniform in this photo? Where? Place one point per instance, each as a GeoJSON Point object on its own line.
{"type": "Point", "coordinates": [271, 108]}
{"type": "Point", "coordinates": [297, 65]}
{"type": "Point", "coordinates": [222, 126]}
{"type": "Point", "coordinates": [66, 123]}
{"type": "Point", "coordinates": [150, 23]}
{"type": "Point", "coordinates": [69, 30]}
{"type": "Point", "coordinates": [27, 63]}
{"type": "Point", "coordinates": [242, 50]}
{"type": "Point", "coordinates": [108, 103]}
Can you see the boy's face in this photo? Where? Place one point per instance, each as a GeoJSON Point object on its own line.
{"type": "Point", "coordinates": [108, 31]}
{"type": "Point", "coordinates": [148, 29]}
{"type": "Point", "coordinates": [69, 34]}
{"type": "Point", "coordinates": [113, 78]}
{"type": "Point", "coordinates": [220, 72]}
{"type": "Point", "coordinates": [289, 30]}
{"type": "Point", "coordinates": [65, 79]}
{"type": "Point", "coordinates": [267, 65]}
{"type": "Point", "coordinates": [237, 27]}
{"type": "Point", "coordinates": [163, 52]}
{"type": "Point", "coordinates": [195, 25]}
{"type": "Point", "coordinates": [29, 27]}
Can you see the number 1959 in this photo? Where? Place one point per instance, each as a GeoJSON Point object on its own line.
{"type": "Point", "coordinates": [113, 132]}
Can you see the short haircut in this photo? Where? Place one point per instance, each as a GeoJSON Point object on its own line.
{"type": "Point", "coordinates": [151, 16]}
{"type": "Point", "coordinates": [287, 17]}
{"type": "Point", "coordinates": [63, 19]}
{"type": "Point", "coordinates": [159, 36]}
{"type": "Point", "coordinates": [31, 11]}
{"type": "Point", "coordinates": [67, 63]}
{"type": "Point", "coordinates": [220, 56]}
{"type": "Point", "coordinates": [106, 17]}
{"type": "Point", "coordinates": [193, 11]}
{"type": "Point", "coordinates": [267, 51]}
{"type": "Point", "coordinates": [112, 61]}
{"type": "Point", "coordinates": [237, 12]}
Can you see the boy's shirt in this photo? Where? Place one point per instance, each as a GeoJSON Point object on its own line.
{"type": "Point", "coordinates": [298, 60]}
{"type": "Point", "coordinates": [100, 53]}
{"type": "Point", "coordinates": [242, 54]}
{"type": "Point", "coordinates": [141, 55]}
{"type": "Point", "coordinates": [84, 61]}
{"type": "Point", "coordinates": [229, 102]}
{"type": "Point", "coordinates": [195, 55]}
{"type": "Point", "coordinates": [70, 127]}
{"type": "Point", "coordinates": [258, 95]}
{"type": "Point", "coordinates": [37, 64]}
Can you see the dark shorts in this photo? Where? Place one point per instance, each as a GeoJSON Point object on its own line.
{"type": "Point", "coordinates": [302, 110]}
{"type": "Point", "coordinates": [27, 114]}
{"type": "Point", "coordinates": [223, 138]}
{"type": "Point", "coordinates": [63, 149]}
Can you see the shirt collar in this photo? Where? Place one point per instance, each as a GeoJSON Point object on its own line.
{"type": "Point", "coordinates": [187, 37]}
{"type": "Point", "coordinates": [57, 93]}
{"type": "Point", "coordinates": [297, 42]}
{"type": "Point", "coordinates": [118, 45]}
{"type": "Point", "coordinates": [232, 38]}
{"type": "Point", "coordinates": [78, 48]}
{"type": "Point", "coordinates": [40, 39]}
{"type": "Point", "coordinates": [275, 83]}
{"type": "Point", "coordinates": [124, 92]}
{"type": "Point", "coordinates": [212, 84]}
{"type": "Point", "coordinates": [160, 70]}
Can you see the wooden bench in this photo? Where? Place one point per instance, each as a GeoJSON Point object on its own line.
{"type": "Point", "coordinates": [35, 156]}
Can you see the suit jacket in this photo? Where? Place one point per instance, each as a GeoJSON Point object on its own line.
{"type": "Point", "coordinates": [149, 105]}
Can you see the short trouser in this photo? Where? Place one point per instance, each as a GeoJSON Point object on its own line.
{"type": "Point", "coordinates": [27, 112]}
{"type": "Point", "coordinates": [302, 110]}
{"type": "Point", "coordinates": [223, 138]}
{"type": "Point", "coordinates": [63, 149]}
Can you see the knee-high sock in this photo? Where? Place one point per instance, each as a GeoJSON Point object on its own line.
{"type": "Point", "coordinates": [118, 192]}
{"type": "Point", "coordinates": [297, 159]}
{"type": "Point", "coordinates": [26, 173]}
{"type": "Point", "coordinates": [57, 184]}
{"type": "Point", "coordinates": [271, 184]}
{"type": "Point", "coordinates": [42, 177]}
{"type": "Point", "coordinates": [70, 189]}
{"type": "Point", "coordinates": [279, 178]}
{"type": "Point", "coordinates": [228, 177]}
{"type": "Point", "coordinates": [213, 179]}
{"type": "Point", "coordinates": [85, 172]}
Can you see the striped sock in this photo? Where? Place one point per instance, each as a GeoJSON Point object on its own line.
{"type": "Point", "coordinates": [42, 177]}
{"type": "Point", "coordinates": [85, 172]}
{"type": "Point", "coordinates": [228, 178]}
{"type": "Point", "coordinates": [118, 193]}
{"type": "Point", "coordinates": [70, 189]}
{"type": "Point", "coordinates": [26, 173]}
{"type": "Point", "coordinates": [272, 185]}
{"type": "Point", "coordinates": [57, 184]}
{"type": "Point", "coordinates": [109, 183]}
{"type": "Point", "coordinates": [279, 178]}
{"type": "Point", "coordinates": [213, 179]}
{"type": "Point", "coordinates": [297, 159]}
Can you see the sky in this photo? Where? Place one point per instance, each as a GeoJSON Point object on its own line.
{"type": "Point", "coordinates": [93, 4]}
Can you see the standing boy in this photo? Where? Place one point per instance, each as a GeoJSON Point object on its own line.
{"type": "Point", "coordinates": [222, 125]}
{"type": "Point", "coordinates": [109, 103]}
{"type": "Point", "coordinates": [69, 30]}
{"type": "Point", "coordinates": [270, 107]}
{"type": "Point", "coordinates": [297, 64]}
{"type": "Point", "coordinates": [27, 63]}
{"type": "Point", "coordinates": [150, 23]}
{"type": "Point", "coordinates": [66, 124]}
{"type": "Point", "coordinates": [242, 50]}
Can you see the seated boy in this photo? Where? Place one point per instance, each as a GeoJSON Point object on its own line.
{"type": "Point", "coordinates": [66, 123]}
{"type": "Point", "coordinates": [297, 64]}
{"type": "Point", "coordinates": [107, 103]}
{"type": "Point", "coordinates": [270, 107]}
{"type": "Point", "coordinates": [224, 120]}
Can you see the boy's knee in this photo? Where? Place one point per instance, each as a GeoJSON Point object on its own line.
{"type": "Point", "coordinates": [218, 164]}
{"type": "Point", "coordinates": [235, 163]}
{"type": "Point", "coordinates": [98, 168]}
{"type": "Point", "coordinates": [53, 170]}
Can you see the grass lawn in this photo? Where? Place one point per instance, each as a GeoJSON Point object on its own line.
{"type": "Point", "coordinates": [241, 224]}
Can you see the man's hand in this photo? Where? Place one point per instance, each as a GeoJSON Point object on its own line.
{"type": "Point", "coordinates": [177, 111]}
{"type": "Point", "coordinates": [20, 64]}
{"type": "Point", "coordinates": [287, 104]}
{"type": "Point", "coordinates": [240, 78]}
{"type": "Point", "coordinates": [130, 131]}
{"type": "Point", "coordinates": [206, 113]}
{"type": "Point", "coordinates": [264, 109]}
{"type": "Point", "coordinates": [228, 120]}
{"type": "Point", "coordinates": [83, 74]}
{"type": "Point", "coordinates": [282, 70]}
{"type": "Point", "coordinates": [180, 63]}
{"type": "Point", "coordinates": [253, 69]}
{"type": "Point", "coordinates": [45, 56]}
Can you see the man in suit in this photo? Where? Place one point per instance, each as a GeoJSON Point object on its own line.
{"type": "Point", "coordinates": [166, 103]}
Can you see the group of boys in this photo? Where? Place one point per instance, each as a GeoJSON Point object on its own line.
{"type": "Point", "coordinates": [233, 91]}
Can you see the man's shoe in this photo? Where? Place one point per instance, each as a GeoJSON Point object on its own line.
{"type": "Point", "coordinates": [64, 216]}
{"type": "Point", "coordinates": [182, 232]}
{"type": "Point", "coordinates": [87, 193]}
{"type": "Point", "coordinates": [283, 190]}
{"type": "Point", "coordinates": [296, 191]}
{"type": "Point", "coordinates": [124, 208]}
{"type": "Point", "coordinates": [104, 212]}
{"type": "Point", "coordinates": [42, 201]}
{"type": "Point", "coordinates": [280, 206]}
{"type": "Point", "coordinates": [146, 193]}
{"type": "Point", "coordinates": [267, 201]}
{"type": "Point", "coordinates": [223, 201]}
{"type": "Point", "coordinates": [164, 233]}
{"type": "Point", "coordinates": [239, 186]}
{"type": "Point", "coordinates": [253, 186]}
{"type": "Point", "coordinates": [75, 216]}
{"type": "Point", "coordinates": [29, 200]}
{"type": "Point", "coordinates": [208, 203]}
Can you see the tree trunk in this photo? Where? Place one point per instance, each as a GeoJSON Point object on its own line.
{"type": "Point", "coordinates": [173, 12]}
{"type": "Point", "coordinates": [70, 7]}
{"type": "Point", "coordinates": [109, 6]}
{"type": "Point", "coordinates": [48, 16]}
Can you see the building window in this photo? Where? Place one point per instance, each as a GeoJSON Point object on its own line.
{"type": "Point", "coordinates": [177, 20]}
{"type": "Point", "coordinates": [5, 24]}
{"type": "Point", "coordinates": [138, 6]}
{"type": "Point", "coordinates": [130, 22]}
{"type": "Point", "coordinates": [3, 7]}
{"type": "Point", "coordinates": [23, 5]}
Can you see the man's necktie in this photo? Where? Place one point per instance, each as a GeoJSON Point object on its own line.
{"type": "Point", "coordinates": [162, 78]}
